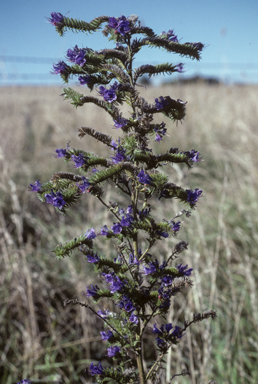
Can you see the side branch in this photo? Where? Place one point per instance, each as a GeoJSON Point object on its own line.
{"type": "Point", "coordinates": [75, 301]}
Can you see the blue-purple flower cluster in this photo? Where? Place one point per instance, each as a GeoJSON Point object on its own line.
{"type": "Point", "coordinates": [113, 350]}
{"type": "Point", "coordinates": [56, 18]}
{"type": "Point", "coordinates": [170, 36]}
{"type": "Point", "coordinates": [96, 369]}
{"type": "Point", "coordinates": [56, 199]}
{"type": "Point", "coordinates": [79, 160]}
{"type": "Point", "coordinates": [25, 381]}
{"type": "Point", "coordinates": [84, 80]}
{"type": "Point", "coordinates": [107, 336]}
{"type": "Point", "coordinates": [60, 68]}
{"type": "Point", "coordinates": [36, 186]}
{"type": "Point", "coordinates": [120, 122]}
{"type": "Point", "coordinates": [92, 291]}
{"type": "Point", "coordinates": [144, 178]}
{"type": "Point", "coordinates": [193, 196]}
{"type": "Point", "coordinates": [179, 68]}
{"type": "Point", "coordinates": [84, 186]}
{"type": "Point", "coordinates": [164, 335]}
{"type": "Point", "coordinates": [61, 152]}
{"type": "Point", "coordinates": [160, 131]}
{"type": "Point", "coordinates": [120, 25]}
{"type": "Point", "coordinates": [161, 103]}
{"type": "Point", "coordinates": [77, 55]}
{"type": "Point", "coordinates": [109, 94]}
{"type": "Point", "coordinates": [90, 234]}
{"type": "Point", "coordinates": [193, 155]}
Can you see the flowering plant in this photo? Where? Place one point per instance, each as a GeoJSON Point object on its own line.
{"type": "Point", "coordinates": [140, 285]}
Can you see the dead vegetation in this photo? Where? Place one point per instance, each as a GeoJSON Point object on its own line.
{"type": "Point", "coordinates": [40, 337]}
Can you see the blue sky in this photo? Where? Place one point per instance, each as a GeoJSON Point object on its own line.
{"type": "Point", "coordinates": [229, 30]}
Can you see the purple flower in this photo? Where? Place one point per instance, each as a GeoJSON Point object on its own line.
{"type": "Point", "coordinates": [120, 155]}
{"type": "Point", "coordinates": [104, 231]}
{"type": "Point", "coordinates": [84, 79]}
{"type": "Point", "coordinates": [112, 22]}
{"type": "Point", "coordinates": [61, 152]}
{"type": "Point", "coordinates": [61, 67]}
{"type": "Point", "coordinates": [165, 335]}
{"type": "Point", "coordinates": [79, 160]}
{"type": "Point", "coordinates": [104, 314]}
{"type": "Point", "coordinates": [120, 122]}
{"type": "Point", "coordinates": [153, 267]}
{"type": "Point", "coordinates": [193, 155]}
{"type": "Point", "coordinates": [80, 58]}
{"type": "Point", "coordinates": [96, 369]}
{"type": "Point", "coordinates": [183, 269]}
{"type": "Point", "coordinates": [192, 196]}
{"type": "Point", "coordinates": [93, 259]}
{"type": "Point", "coordinates": [109, 94]}
{"type": "Point", "coordinates": [56, 18]}
{"type": "Point", "coordinates": [126, 220]}
{"type": "Point", "coordinates": [175, 226]}
{"type": "Point", "coordinates": [145, 212]}
{"type": "Point", "coordinates": [169, 36]}
{"type": "Point", "coordinates": [113, 350]}
{"type": "Point", "coordinates": [161, 103]}
{"type": "Point", "coordinates": [176, 333]}
{"type": "Point", "coordinates": [84, 186]}
{"type": "Point", "coordinates": [106, 335]}
{"type": "Point", "coordinates": [133, 319]}
{"type": "Point", "coordinates": [49, 197]}
{"type": "Point", "coordinates": [123, 26]}
{"type": "Point", "coordinates": [167, 280]}
{"type": "Point", "coordinates": [161, 343]}
{"type": "Point", "coordinates": [36, 186]}
{"type": "Point", "coordinates": [161, 233]}
{"type": "Point", "coordinates": [116, 228]}
{"type": "Point", "coordinates": [90, 234]}
{"type": "Point", "coordinates": [133, 259]}
{"type": "Point", "coordinates": [121, 211]}
{"type": "Point", "coordinates": [25, 381]}
{"type": "Point", "coordinates": [126, 304]}
{"type": "Point", "coordinates": [156, 330]}
{"type": "Point", "coordinates": [114, 145]}
{"type": "Point", "coordinates": [56, 199]}
{"type": "Point", "coordinates": [77, 55]}
{"type": "Point", "coordinates": [120, 25]}
{"type": "Point", "coordinates": [163, 331]}
{"type": "Point", "coordinates": [144, 178]}
{"type": "Point", "coordinates": [160, 131]}
{"type": "Point", "coordinates": [180, 68]}
{"type": "Point", "coordinates": [164, 293]}
{"type": "Point", "coordinates": [93, 291]}
{"type": "Point", "coordinates": [115, 283]}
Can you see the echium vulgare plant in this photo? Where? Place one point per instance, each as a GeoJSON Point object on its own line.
{"type": "Point", "coordinates": [135, 279]}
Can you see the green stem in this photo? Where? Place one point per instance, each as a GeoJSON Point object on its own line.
{"type": "Point", "coordinates": [140, 364]}
{"type": "Point", "coordinates": [134, 198]}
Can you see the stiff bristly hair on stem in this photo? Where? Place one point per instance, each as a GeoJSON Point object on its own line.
{"type": "Point", "coordinates": [140, 285]}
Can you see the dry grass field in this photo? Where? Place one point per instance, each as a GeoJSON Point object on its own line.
{"type": "Point", "coordinates": [39, 337]}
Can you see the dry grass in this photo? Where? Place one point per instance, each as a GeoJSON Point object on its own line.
{"type": "Point", "coordinates": [39, 337]}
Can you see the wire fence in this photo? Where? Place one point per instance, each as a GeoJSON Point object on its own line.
{"type": "Point", "coordinates": [221, 70]}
